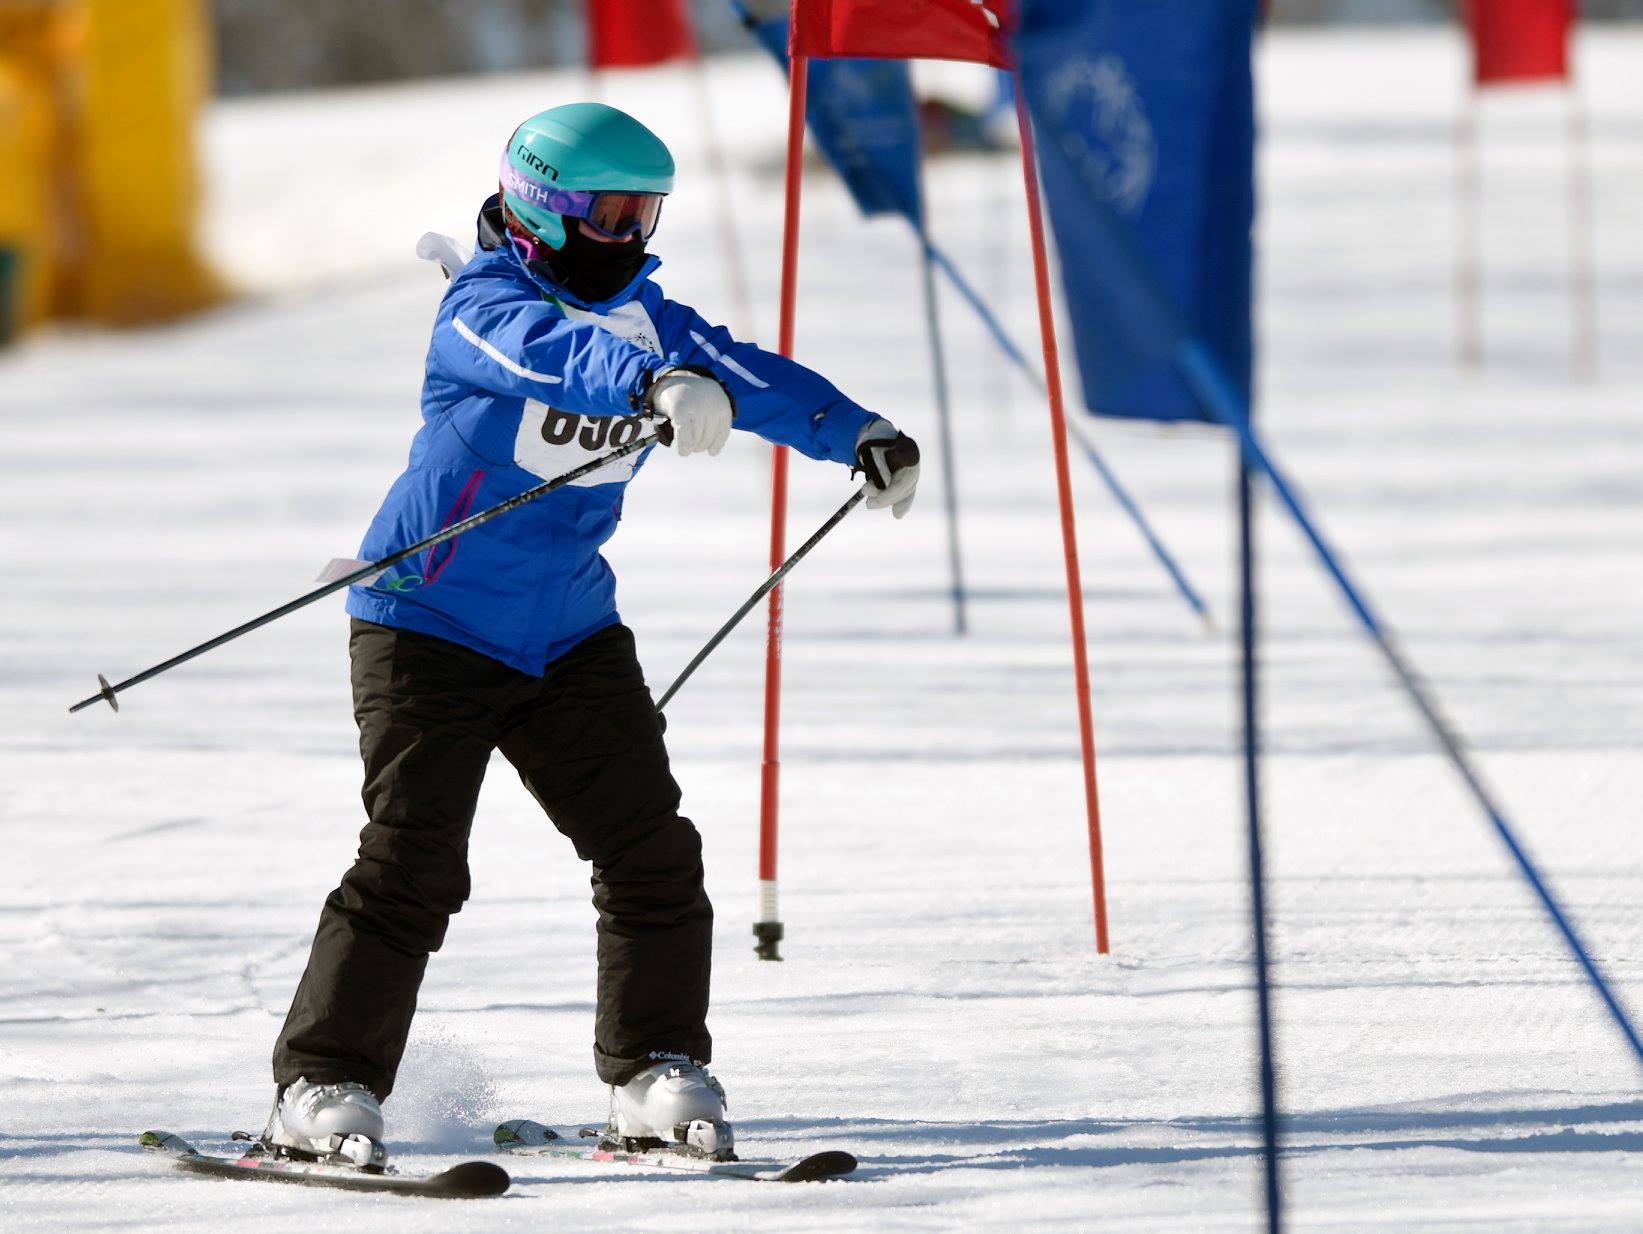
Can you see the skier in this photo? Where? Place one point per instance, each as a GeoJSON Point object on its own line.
{"type": "Point", "coordinates": [551, 346]}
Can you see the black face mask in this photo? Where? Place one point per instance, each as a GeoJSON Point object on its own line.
{"type": "Point", "coordinates": [592, 270]}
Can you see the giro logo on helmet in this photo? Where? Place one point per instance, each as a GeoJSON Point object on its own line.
{"type": "Point", "coordinates": [535, 162]}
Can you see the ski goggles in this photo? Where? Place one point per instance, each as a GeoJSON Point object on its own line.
{"type": "Point", "coordinates": [616, 215]}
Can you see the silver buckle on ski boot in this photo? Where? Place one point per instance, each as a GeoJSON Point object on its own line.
{"type": "Point", "coordinates": [707, 1138]}
{"type": "Point", "coordinates": [358, 1150]}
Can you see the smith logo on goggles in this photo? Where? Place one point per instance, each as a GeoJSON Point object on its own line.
{"type": "Point", "coordinates": [614, 214]}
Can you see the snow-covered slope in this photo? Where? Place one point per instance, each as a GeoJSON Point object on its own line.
{"type": "Point", "coordinates": [940, 1011]}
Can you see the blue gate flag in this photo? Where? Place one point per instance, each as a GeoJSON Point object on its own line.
{"type": "Point", "coordinates": [1145, 116]}
{"type": "Point", "coordinates": [863, 116]}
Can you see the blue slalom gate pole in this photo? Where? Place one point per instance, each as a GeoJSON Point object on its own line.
{"type": "Point", "coordinates": [1125, 501]}
{"type": "Point", "coordinates": [1219, 398]}
{"type": "Point", "coordinates": [1257, 873]}
{"type": "Point", "coordinates": [944, 422]}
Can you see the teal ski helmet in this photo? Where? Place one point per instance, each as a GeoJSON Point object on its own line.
{"type": "Point", "coordinates": [588, 161]}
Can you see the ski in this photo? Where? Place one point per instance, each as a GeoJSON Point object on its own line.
{"type": "Point", "coordinates": [470, 1180]}
{"type": "Point", "coordinates": [522, 1137]}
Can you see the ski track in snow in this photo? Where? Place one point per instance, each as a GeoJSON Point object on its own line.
{"type": "Point", "coordinates": [941, 1012]}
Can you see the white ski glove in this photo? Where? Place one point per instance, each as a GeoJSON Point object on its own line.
{"type": "Point", "coordinates": [697, 407]}
{"type": "Point", "coordinates": [889, 459]}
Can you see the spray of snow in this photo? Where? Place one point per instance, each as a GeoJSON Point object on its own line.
{"type": "Point", "coordinates": [444, 1100]}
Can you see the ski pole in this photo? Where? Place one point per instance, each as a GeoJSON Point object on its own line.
{"type": "Point", "coordinates": [107, 692]}
{"type": "Point", "coordinates": [764, 589]}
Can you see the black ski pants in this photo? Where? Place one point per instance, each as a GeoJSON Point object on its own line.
{"type": "Point", "coordinates": [586, 740]}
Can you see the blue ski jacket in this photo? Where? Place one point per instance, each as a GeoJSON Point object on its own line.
{"type": "Point", "coordinates": [524, 382]}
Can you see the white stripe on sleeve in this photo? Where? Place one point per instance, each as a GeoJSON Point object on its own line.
{"type": "Point", "coordinates": [518, 370]}
{"type": "Point", "coordinates": [719, 358]}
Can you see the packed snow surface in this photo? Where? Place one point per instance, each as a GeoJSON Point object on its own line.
{"type": "Point", "coordinates": [941, 1011]}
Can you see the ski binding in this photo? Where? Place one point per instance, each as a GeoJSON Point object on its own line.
{"type": "Point", "coordinates": [522, 1137]}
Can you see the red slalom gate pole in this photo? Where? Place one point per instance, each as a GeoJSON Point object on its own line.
{"type": "Point", "coordinates": [767, 924]}
{"type": "Point", "coordinates": [1069, 532]}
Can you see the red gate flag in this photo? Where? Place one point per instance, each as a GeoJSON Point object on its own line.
{"type": "Point", "coordinates": [902, 29]}
{"type": "Point", "coordinates": [1520, 40]}
{"type": "Point", "coordinates": [629, 34]}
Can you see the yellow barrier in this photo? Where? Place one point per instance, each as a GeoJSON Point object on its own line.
{"type": "Point", "coordinates": [36, 42]}
{"type": "Point", "coordinates": [147, 76]}
{"type": "Point", "coordinates": [98, 105]}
